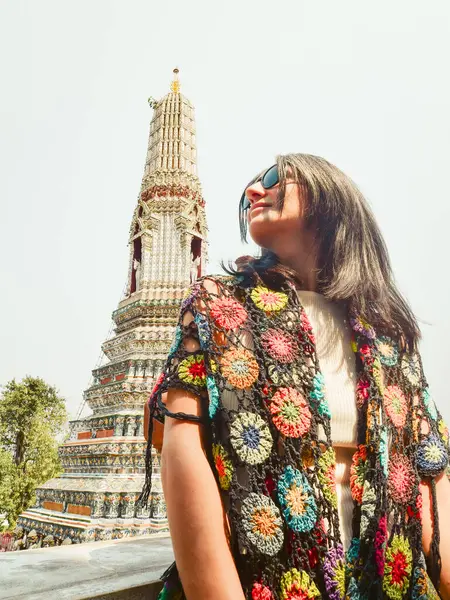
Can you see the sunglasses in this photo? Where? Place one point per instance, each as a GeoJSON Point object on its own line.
{"type": "Point", "coordinates": [268, 180]}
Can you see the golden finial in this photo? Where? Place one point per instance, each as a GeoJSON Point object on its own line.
{"type": "Point", "coordinates": [175, 85]}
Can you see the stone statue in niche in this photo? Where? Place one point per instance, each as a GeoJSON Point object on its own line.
{"type": "Point", "coordinates": [140, 426]}
{"type": "Point", "coordinates": [195, 263]}
{"type": "Point", "coordinates": [130, 426]}
{"type": "Point", "coordinates": [137, 269]}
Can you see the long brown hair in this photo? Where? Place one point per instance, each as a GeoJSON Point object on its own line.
{"type": "Point", "coordinates": [353, 261]}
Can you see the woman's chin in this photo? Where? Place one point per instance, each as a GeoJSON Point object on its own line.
{"type": "Point", "coordinates": [260, 235]}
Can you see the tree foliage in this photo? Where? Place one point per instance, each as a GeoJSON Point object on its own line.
{"type": "Point", "coordinates": [32, 414]}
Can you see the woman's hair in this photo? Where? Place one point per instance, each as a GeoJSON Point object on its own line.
{"type": "Point", "coordinates": [353, 261]}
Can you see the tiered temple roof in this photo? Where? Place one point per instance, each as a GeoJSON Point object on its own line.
{"type": "Point", "coordinates": [103, 460]}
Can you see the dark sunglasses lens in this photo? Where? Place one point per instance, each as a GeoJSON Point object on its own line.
{"type": "Point", "coordinates": [245, 202]}
{"type": "Point", "coordinates": [270, 178]}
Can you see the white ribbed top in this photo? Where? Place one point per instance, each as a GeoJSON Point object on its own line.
{"type": "Point", "coordinates": [337, 364]}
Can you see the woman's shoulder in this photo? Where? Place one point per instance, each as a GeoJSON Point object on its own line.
{"type": "Point", "coordinates": [218, 284]}
{"type": "Point", "coordinates": [238, 285]}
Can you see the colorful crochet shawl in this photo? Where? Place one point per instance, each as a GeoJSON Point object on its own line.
{"type": "Point", "coordinates": [272, 452]}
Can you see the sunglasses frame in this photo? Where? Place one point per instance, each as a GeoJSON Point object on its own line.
{"type": "Point", "coordinates": [245, 202]}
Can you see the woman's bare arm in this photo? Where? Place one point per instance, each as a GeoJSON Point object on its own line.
{"type": "Point", "coordinates": [194, 509]}
{"type": "Point", "coordinates": [443, 500]}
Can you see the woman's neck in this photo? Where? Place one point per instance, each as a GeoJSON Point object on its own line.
{"type": "Point", "coordinates": [303, 260]}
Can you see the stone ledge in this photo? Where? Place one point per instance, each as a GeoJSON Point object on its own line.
{"type": "Point", "coordinates": [127, 569]}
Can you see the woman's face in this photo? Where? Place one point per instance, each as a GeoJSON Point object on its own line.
{"type": "Point", "coordinates": [268, 226]}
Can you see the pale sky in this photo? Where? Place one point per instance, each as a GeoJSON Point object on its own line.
{"type": "Point", "coordinates": [366, 85]}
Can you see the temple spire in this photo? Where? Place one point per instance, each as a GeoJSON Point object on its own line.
{"type": "Point", "coordinates": [171, 145]}
{"type": "Point", "coordinates": [175, 85]}
{"type": "Point", "coordinates": [104, 459]}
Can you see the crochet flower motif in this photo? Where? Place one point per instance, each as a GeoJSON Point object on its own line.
{"type": "Point", "coordinates": [352, 554]}
{"type": "Point", "coordinates": [307, 456]}
{"type": "Point", "coordinates": [429, 404]}
{"type": "Point", "coordinates": [365, 353]}
{"type": "Point", "coordinates": [327, 475]}
{"type": "Point", "coordinates": [224, 466]}
{"type": "Point", "coordinates": [395, 405]}
{"type": "Point", "coordinates": [178, 336]}
{"type": "Point", "coordinates": [157, 384]}
{"type": "Point", "coordinates": [261, 592]}
{"type": "Point", "coordinates": [432, 456]}
{"type": "Point", "coordinates": [362, 392]}
{"type": "Point", "coordinates": [383, 451]}
{"type": "Point", "coordinates": [334, 573]}
{"type": "Point", "coordinates": [306, 328]}
{"type": "Point", "coordinates": [411, 368]}
{"type": "Point", "coordinates": [171, 591]}
{"type": "Point", "coordinates": [306, 324]}
{"type": "Point", "coordinates": [192, 370]}
{"type": "Point", "coordinates": [188, 292]}
{"type": "Point", "coordinates": [279, 345]}
{"type": "Point", "coordinates": [228, 313]}
{"type": "Point", "coordinates": [318, 394]}
{"type": "Point", "coordinates": [250, 438]}
{"type": "Point", "coordinates": [372, 415]}
{"type": "Point", "coordinates": [415, 511]}
{"type": "Point", "coordinates": [380, 544]}
{"type": "Point", "coordinates": [214, 396]}
{"type": "Point", "coordinates": [423, 588]}
{"type": "Point", "coordinates": [443, 430]}
{"type": "Point", "coordinates": [291, 414]}
{"type": "Point", "coordinates": [368, 504]}
{"type": "Point", "coordinates": [262, 523]}
{"type": "Point", "coordinates": [296, 500]}
{"type": "Point", "coordinates": [387, 351]}
{"type": "Point", "coordinates": [297, 585]}
{"type": "Point", "coordinates": [398, 568]}
{"type": "Point", "coordinates": [189, 296]}
{"type": "Point", "coordinates": [358, 473]}
{"type": "Point", "coordinates": [239, 367]}
{"type": "Point", "coordinates": [377, 371]}
{"type": "Point", "coordinates": [285, 377]}
{"type": "Point", "coordinates": [204, 332]}
{"type": "Point", "coordinates": [268, 300]}
{"type": "Point", "coordinates": [361, 326]}
{"type": "Point", "coordinates": [353, 592]}
{"type": "Point", "coordinates": [401, 478]}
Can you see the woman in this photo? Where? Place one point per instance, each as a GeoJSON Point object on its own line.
{"type": "Point", "coordinates": [303, 455]}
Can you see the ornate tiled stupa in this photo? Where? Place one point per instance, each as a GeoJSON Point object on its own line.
{"type": "Point", "coordinates": [103, 460]}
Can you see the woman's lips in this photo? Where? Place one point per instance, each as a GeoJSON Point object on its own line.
{"type": "Point", "coordinates": [259, 205]}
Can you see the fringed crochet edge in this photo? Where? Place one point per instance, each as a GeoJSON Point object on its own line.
{"type": "Point", "coordinates": [434, 560]}
{"type": "Point", "coordinates": [144, 495]}
{"type": "Point", "coordinates": [155, 402]}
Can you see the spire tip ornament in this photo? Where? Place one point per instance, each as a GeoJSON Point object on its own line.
{"type": "Point", "coordinates": [175, 85]}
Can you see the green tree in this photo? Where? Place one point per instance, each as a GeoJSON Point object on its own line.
{"type": "Point", "coordinates": [7, 479]}
{"type": "Point", "coordinates": [32, 415]}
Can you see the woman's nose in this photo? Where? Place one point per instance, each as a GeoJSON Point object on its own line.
{"type": "Point", "coordinates": [255, 192]}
